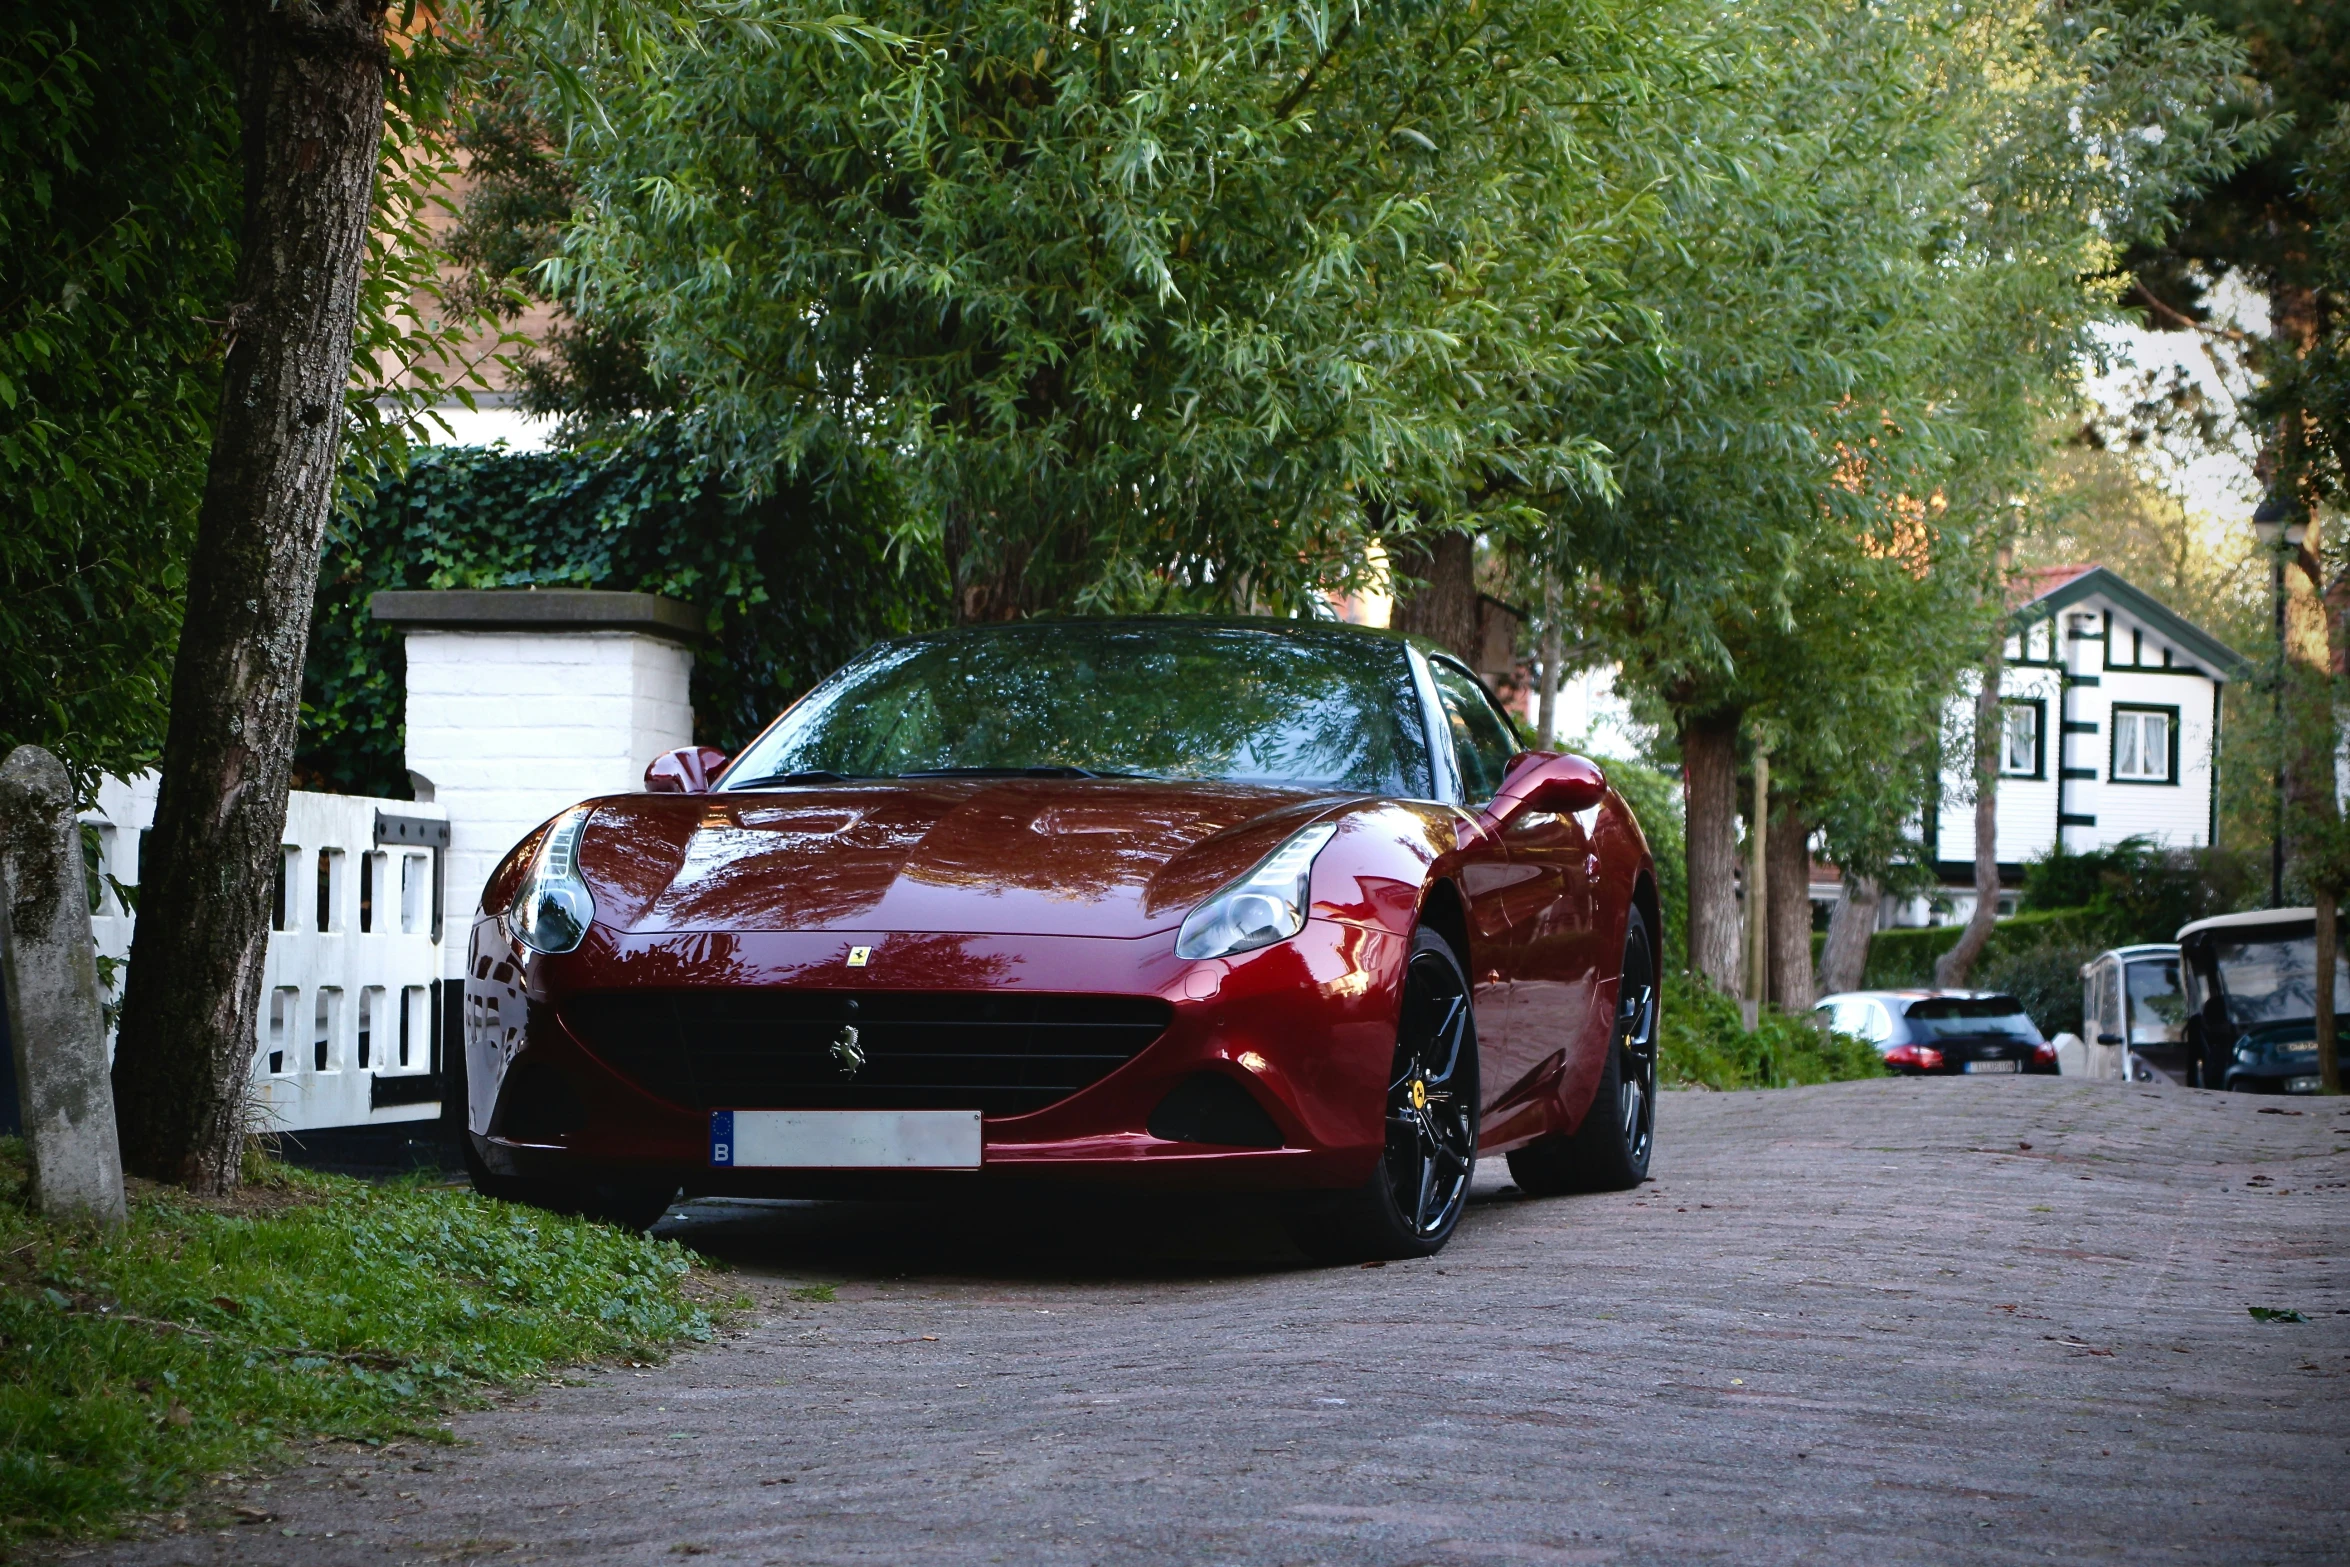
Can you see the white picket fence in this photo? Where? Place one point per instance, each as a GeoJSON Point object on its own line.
{"type": "Point", "coordinates": [347, 1010]}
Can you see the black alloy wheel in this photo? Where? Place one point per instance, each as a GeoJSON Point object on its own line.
{"type": "Point", "coordinates": [1609, 1152]}
{"type": "Point", "coordinates": [1414, 1200]}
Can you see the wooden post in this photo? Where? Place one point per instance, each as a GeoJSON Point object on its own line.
{"type": "Point", "coordinates": [50, 965]}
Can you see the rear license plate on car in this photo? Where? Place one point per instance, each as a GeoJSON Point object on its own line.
{"type": "Point", "coordinates": [2303, 1085]}
{"type": "Point", "coordinates": [1993, 1066]}
{"type": "Point", "coordinates": [845, 1139]}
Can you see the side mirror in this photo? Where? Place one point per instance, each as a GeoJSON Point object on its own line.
{"type": "Point", "coordinates": [687, 770]}
{"type": "Point", "coordinates": [1540, 781]}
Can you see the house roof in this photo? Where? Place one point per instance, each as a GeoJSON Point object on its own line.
{"type": "Point", "coordinates": [2049, 589]}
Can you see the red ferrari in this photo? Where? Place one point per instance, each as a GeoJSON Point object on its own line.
{"type": "Point", "coordinates": [1263, 905]}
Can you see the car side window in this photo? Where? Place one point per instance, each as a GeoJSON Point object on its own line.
{"type": "Point", "coordinates": [1481, 741]}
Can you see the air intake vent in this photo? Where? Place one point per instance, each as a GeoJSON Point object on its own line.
{"type": "Point", "coordinates": [1000, 1053]}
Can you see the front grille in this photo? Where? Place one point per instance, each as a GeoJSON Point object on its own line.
{"type": "Point", "coordinates": [1001, 1054]}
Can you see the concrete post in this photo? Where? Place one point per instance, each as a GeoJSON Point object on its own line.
{"type": "Point", "coordinates": [50, 965]}
{"type": "Point", "coordinates": [522, 701]}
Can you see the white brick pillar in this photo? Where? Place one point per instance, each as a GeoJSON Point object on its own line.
{"type": "Point", "coordinates": [522, 701]}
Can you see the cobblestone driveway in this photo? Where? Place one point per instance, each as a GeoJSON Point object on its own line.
{"type": "Point", "coordinates": [1947, 1321]}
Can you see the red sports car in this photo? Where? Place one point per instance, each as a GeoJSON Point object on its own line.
{"type": "Point", "coordinates": [1266, 905]}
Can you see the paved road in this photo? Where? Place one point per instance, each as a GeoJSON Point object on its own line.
{"type": "Point", "coordinates": [1956, 1321]}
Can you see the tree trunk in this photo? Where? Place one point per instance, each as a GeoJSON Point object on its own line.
{"type": "Point", "coordinates": [1953, 967]}
{"type": "Point", "coordinates": [1845, 958]}
{"type": "Point", "coordinates": [1444, 608]}
{"type": "Point", "coordinates": [1789, 882]}
{"type": "Point", "coordinates": [1709, 784]}
{"type": "Point", "coordinates": [1757, 969]}
{"type": "Point", "coordinates": [1554, 648]}
{"type": "Point", "coordinates": [310, 87]}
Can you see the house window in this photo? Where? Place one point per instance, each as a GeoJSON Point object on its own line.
{"type": "Point", "coordinates": [2145, 745]}
{"type": "Point", "coordinates": [2019, 739]}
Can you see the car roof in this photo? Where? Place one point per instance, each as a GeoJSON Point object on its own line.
{"type": "Point", "coordinates": [2257, 917]}
{"type": "Point", "coordinates": [1905, 997]}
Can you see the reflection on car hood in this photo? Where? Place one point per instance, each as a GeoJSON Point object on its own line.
{"type": "Point", "coordinates": [1007, 856]}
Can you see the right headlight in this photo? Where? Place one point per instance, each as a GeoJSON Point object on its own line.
{"type": "Point", "coordinates": [553, 907]}
{"type": "Point", "coordinates": [1267, 905]}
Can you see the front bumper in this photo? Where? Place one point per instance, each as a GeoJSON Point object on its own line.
{"type": "Point", "coordinates": [1306, 1027]}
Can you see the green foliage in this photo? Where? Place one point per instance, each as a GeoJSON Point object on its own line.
{"type": "Point", "coordinates": [1158, 304]}
{"type": "Point", "coordinates": [2046, 978]}
{"type": "Point", "coordinates": [1876, 273]}
{"type": "Point", "coordinates": [1702, 1042]}
{"type": "Point", "coordinates": [2136, 890]}
{"type": "Point", "coordinates": [117, 247]}
{"type": "Point", "coordinates": [1899, 959]}
{"type": "Point", "coordinates": [134, 1364]}
{"type": "Point", "coordinates": [1655, 798]}
{"type": "Point", "coordinates": [789, 585]}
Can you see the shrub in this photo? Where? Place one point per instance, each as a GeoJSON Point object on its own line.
{"type": "Point", "coordinates": [1702, 1042]}
{"type": "Point", "coordinates": [2045, 978]}
{"type": "Point", "coordinates": [2135, 890]}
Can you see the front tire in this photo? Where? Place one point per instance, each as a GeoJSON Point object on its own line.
{"type": "Point", "coordinates": [1609, 1151]}
{"type": "Point", "coordinates": [1414, 1200]}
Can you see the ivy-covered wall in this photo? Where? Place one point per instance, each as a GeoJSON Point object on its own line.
{"type": "Point", "coordinates": [789, 587]}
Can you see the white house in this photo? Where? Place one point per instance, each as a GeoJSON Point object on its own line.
{"type": "Point", "coordinates": [2110, 729]}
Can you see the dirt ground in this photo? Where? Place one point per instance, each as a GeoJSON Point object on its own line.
{"type": "Point", "coordinates": [1939, 1321]}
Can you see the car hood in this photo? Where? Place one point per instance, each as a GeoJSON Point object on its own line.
{"type": "Point", "coordinates": [1076, 857]}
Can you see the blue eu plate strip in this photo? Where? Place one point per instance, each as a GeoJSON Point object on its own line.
{"type": "Point", "coordinates": [722, 1137]}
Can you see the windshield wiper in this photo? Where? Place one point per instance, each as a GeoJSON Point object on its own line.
{"type": "Point", "coordinates": [815, 777]}
{"type": "Point", "coordinates": [1016, 772]}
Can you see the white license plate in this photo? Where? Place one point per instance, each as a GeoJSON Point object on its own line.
{"type": "Point", "coordinates": [845, 1139]}
{"type": "Point", "coordinates": [1994, 1066]}
{"type": "Point", "coordinates": [2303, 1085]}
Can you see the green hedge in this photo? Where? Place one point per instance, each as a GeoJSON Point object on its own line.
{"type": "Point", "coordinates": [789, 587]}
{"type": "Point", "coordinates": [1905, 957]}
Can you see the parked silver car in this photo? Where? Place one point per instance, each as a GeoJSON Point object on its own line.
{"type": "Point", "coordinates": [1923, 1032]}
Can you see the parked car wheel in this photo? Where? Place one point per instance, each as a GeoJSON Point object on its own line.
{"type": "Point", "coordinates": [1413, 1201]}
{"type": "Point", "coordinates": [1609, 1151]}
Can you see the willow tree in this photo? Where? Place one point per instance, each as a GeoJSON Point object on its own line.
{"type": "Point", "coordinates": [1880, 281]}
{"type": "Point", "coordinates": [1156, 303]}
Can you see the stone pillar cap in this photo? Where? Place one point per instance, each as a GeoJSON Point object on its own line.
{"type": "Point", "coordinates": [537, 609]}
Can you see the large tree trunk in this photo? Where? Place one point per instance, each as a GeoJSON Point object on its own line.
{"type": "Point", "coordinates": [1554, 648]}
{"type": "Point", "coordinates": [1789, 881]}
{"type": "Point", "coordinates": [1953, 967]}
{"type": "Point", "coordinates": [310, 86]}
{"type": "Point", "coordinates": [1709, 784]}
{"type": "Point", "coordinates": [1845, 956]}
{"type": "Point", "coordinates": [1444, 609]}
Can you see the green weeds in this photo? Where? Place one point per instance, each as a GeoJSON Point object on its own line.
{"type": "Point", "coordinates": [204, 1337]}
{"type": "Point", "coordinates": [1703, 1043]}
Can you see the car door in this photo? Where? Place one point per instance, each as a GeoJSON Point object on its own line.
{"type": "Point", "coordinates": [1482, 746]}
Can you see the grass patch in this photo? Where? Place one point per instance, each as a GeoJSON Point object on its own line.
{"type": "Point", "coordinates": [206, 1336]}
{"type": "Point", "coordinates": [1702, 1042]}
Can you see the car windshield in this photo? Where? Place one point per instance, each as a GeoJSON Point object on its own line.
{"type": "Point", "coordinates": [1970, 1017]}
{"type": "Point", "coordinates": [2273, 981]}
{"type": "Point", "coordinates": [2158, 1013]}
{"type": "Point", "coordinates": [1158, 699]}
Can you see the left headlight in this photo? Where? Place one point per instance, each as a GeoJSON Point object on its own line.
{"type": "Point", "coordinates": [1267, 905]}
{"type": "Point", "coordinates": [553, 907]}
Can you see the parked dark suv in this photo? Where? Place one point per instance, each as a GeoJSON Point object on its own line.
{"type": "Point", "coordinates": [2251, 982]}
{"type": "Point", "coordinates": [1941, 1031]}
